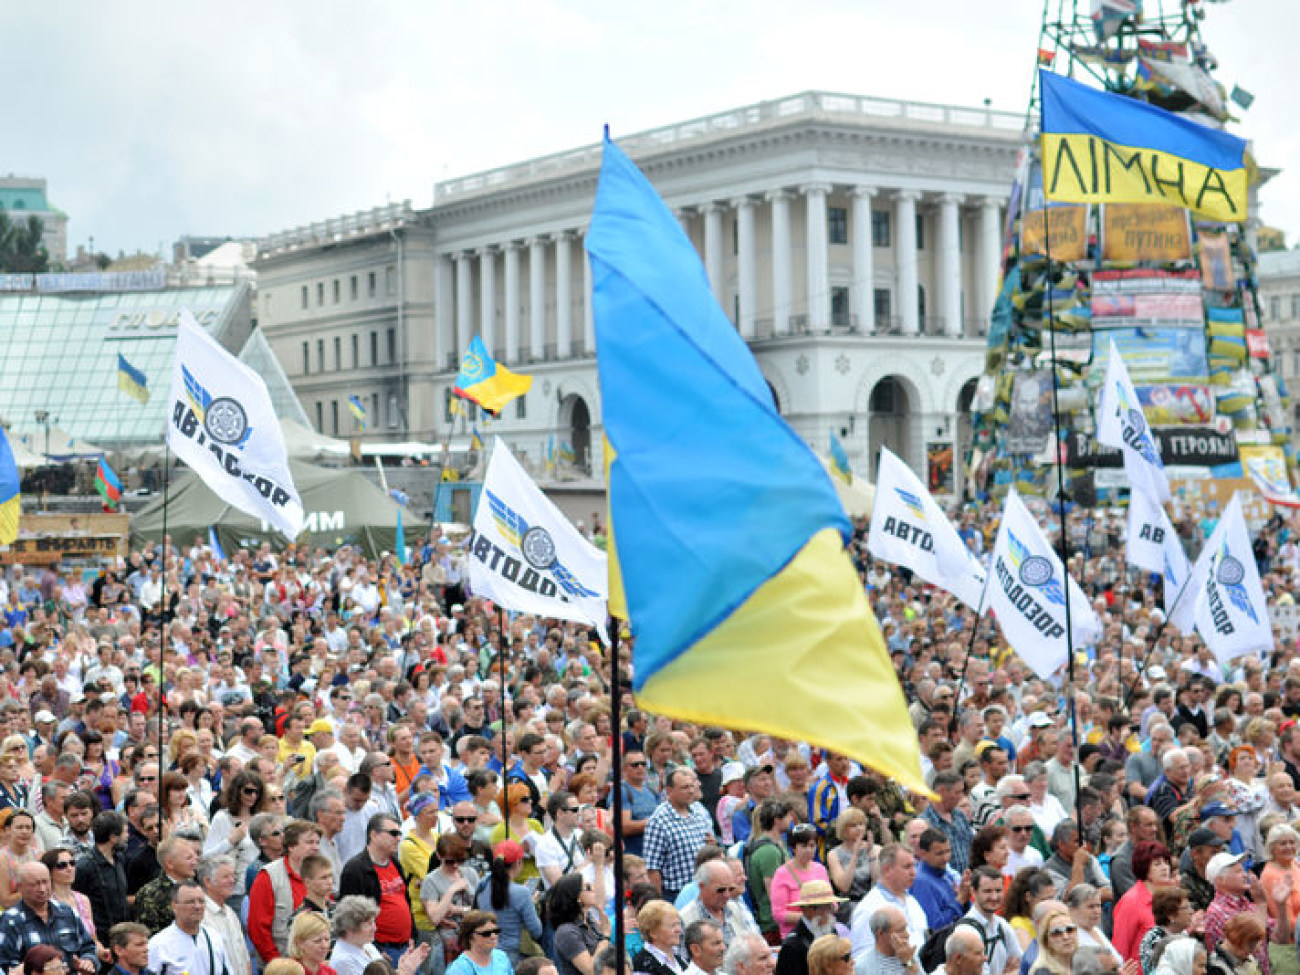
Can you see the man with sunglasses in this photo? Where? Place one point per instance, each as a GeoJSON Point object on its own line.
{"type": "Point", "coordinates": [1020, 821]}
{"type": "Point", "coordinates": [374, 873]}
{"type": "Point", "coordinates": [719, 901]}
{"type": "Point", "coordinates": [557, 851]}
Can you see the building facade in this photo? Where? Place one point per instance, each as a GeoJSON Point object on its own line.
{"type": "Point", "coordinates": [854, 242]}
{"type": "Point", "coordinates": [1279, 297]}
{"type": "Point", "coordinates": [22, 197]}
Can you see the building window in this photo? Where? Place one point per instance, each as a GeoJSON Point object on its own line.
{"type": "Point", "coordinates": [374, 406]}
{"type": "Point", "coordinates": [320, 355]}
{"type": "Point", "coordinates": [1275, 309]}
{"type": "Point", "coordinates": [338, 353]}
{"type": "Point", "coordinates": [840, 316]}
{"type": "Point", "coordinates": [320, 417]}
{"type": "Point", "coordinates": [920, 231]}
{"type": "Point", "coordinates": [356, 359]}
{"type": "Point", "coordinates": [320, 293]}
{"type": "Point", "coordinates": [374, 348]}
{"type": "Point", "coordinates": [1295, 363]}
{"type": "Point", "coordinates": [304, 296]}
{"type": "Point", "coordinates": [334, 416]}
{"type": "Point", "coordinates": [837, 225]}
{"type": "Point", "coordinates": [521, 407]}
{"type": "Point", "coordinates": [306, 358]}
{"type": "Point", "coordinates": [370, 285]}
{"type": "Point", "coordinates": [920, 305]}
{"type": "Point", "coordinates": [1295, 306]}
{"type": "Point", "coordinates": [880, 301]}
{"type": "Point", "coordinates": [390, 280]}
{"type": "Point", "coordinates": [352, 288]}
{"type": "Point", "coordinates": [338, 291]}
{"type": "Point", "coordinates": [879, 228]}
{"type": "Point", "coordinates": [392, 345]}
{"type": "Point", "coordinates": [392, 411]}
{"type": "Point", "coordinates": [735, 310]}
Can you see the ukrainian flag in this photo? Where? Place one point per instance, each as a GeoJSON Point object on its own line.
{"type": "Point", "coordinates": [1100, 147]}
{"type": "Point", "coordinates": [9, 485]}
{"type": "Point", "coordinates": [475, 440]}
{"type": "Point", "coordinates": [485, 382]}
{"type": "Point", "coordinates": [726, 528]}
{"type": "Point", "coordinates": [840, 459]}
{"type": "Point", "coordinates": [131, 380]}
{"type": "Point", "coordinates": [358, 410]}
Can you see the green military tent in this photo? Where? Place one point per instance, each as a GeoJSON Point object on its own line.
{"type": "Point", "coordinates": [341, 507]}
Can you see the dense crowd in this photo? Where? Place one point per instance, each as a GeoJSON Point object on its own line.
{"type": "Point", "coordinates": [338, 785]}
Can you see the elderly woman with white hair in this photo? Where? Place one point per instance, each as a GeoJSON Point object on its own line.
{"type": "Point", "coordinates": [354, 929]}
{"type": "Point", "coordinates": [1043, 806]}
{"type": "Point", "coordinates": [1084, 902]}
{"type": "Point", "coordinates": [1281, 846]}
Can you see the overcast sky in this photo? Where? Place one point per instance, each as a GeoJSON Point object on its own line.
{"type": "Point", "coordinates": [153, 120]}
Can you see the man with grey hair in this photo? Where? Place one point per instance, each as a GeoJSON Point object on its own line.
{"type": "Point", "coordinates": [216, 875]}
{"type": "Point", "coordinates": [1173, 789]}
{"type": "Point", "coordinates": [705, 947]}
{"type": "Point", "coordinates": [963, 952]}
{"type": "Point", "coordinates": [897, 874]}
{"type": "Point", "coordinates": [49, 821]}
{"type": "Point", "coordinates": [890, 953]}
{"type": "Point", "coordinates": [749, 955]}
{"type": "Point", "coordinates": [329, 813]}
{"type": "Point", "coordinates": [817, 904]}
{"type": "Point", "coordinates": [1019, 820]}
{"type": "Point", "coordinates": [719, 901]}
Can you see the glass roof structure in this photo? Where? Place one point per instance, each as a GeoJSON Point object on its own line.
{"type": "Point", "coordinates": [59, 355]}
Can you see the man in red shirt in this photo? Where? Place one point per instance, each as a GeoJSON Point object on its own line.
{"type": "Point", "coordinates": [278, 889]}
{"type": "Point", "coordinates": [374, 873]}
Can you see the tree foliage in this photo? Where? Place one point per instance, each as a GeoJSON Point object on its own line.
{"type": "Point", "coordinates": [21, 245]}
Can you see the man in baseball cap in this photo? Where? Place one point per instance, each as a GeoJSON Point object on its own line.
{"type": "Point", "coordinates": [1202, 846]}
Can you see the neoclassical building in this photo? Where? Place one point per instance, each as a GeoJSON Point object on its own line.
{"type": "Point", "coordinates": [854, 242]}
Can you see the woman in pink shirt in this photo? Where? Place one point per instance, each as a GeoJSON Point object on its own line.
{"type": "Point", "coordinates": [800, 869]}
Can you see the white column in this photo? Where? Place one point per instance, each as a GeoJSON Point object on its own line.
{"type": "Point", "coordinates": [863, 296]}
{"type": "Point", "coordinates": [564, 294]}
{"type": "Point", "coordinates": [780, 200]}
{"type": "Point", "coordinates": [537, 299]}
{"type": "Point", "coordinates": [905, 258]}
{"type": "Point", "coordinates": [487, 289]}
{"type": "Point", "coordinates": [948, 267]}
{"type": "Point", "coordinates": [512, 302]}
{"type": "Point", "coordinates": [464, 302]}
{"type": "Point", "coordinates": [713, 249]}
{"type": "Point", "coordinates": [818, 254]}
{"type": "Point", "coordinates": [990, 257]}
{"type": "Point", "coordinates": [746, 280]}
{"type": "Point", "coordinates": [588, 317]}
{"type": "Point", "coordinates": [444, 325]}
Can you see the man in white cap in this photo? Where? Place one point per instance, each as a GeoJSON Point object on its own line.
{"type": "Point", "coordinates": [1232, 888]}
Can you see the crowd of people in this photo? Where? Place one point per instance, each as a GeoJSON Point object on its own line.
{"type": "Point", "coordinates": [306, 763]}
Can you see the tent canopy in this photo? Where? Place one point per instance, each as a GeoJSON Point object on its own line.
{"type": "Point", "coordinates": [342, 507]}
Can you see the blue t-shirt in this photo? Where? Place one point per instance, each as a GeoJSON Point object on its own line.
{"type": "Point", "coordinates": [499, 965]}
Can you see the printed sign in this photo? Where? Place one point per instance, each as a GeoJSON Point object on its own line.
{"type": "Point", "coordinates": [1062, 231]}
{"type": "Point", "coordinates": [1143, 232]}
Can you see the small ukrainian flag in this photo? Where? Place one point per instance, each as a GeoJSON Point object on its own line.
{"type": "Point", "coordinates": [358, 410]}
{"type": "Point", "coordinates": [475, 441]}
{"type": "Point", "coordinates": [131, 380]}
{"type": "Point", "coordinates": [485, 381]}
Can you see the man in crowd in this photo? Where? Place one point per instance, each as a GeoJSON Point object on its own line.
{"type": "Point", "coordinates": [374, 873]}
{"type": "Point", "coordinates": [38, 920]}
{"type": "Point", "coordinates": [278, 890]}
{"type": "Point", "coordinates": [185, 944]}
{"type": "Point", "coordinates": [179, 857]}
{"type": "Point", "coordinates": [675, 832]}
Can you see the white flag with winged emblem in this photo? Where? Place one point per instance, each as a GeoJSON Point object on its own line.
{"type": "Point", "coordinates": [527, 556]}
{"type": "Point", "coordinates": [1231, 614]}
{"type": "Point", "coordinates": [1026, 592]}
{"type": "Point", "coordinates": [909, 529]}
{"type": "Point", "coordinates": [1121, 423]}
{"type": "Point", "coordinates": [220, 421]}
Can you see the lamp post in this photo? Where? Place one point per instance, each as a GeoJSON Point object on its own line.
{"type": "Point", "coordinates": [43, 418]}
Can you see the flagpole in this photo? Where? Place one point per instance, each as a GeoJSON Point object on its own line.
{"type": "Point", "coordinates": [1141, 667]}
{"type": "Point", "coordinates": [616, 767]}
{"type": "Point", "coordinates": [453, 408]}
{"type": "Point", "coordinates": [501, 656]}
{"type": "Point", "coordinates": [961, 681]}
{"type": "Point", "coordinates": [162, 634]}
{"type": "Point", "coordinates": [1060, 503]}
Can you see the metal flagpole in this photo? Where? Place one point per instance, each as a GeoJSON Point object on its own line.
{"type": "Point", "coordinates": [505, 757]}
{"type": "Point", "coordinates": [162, 615]}
{"type": "Point", "coordinates": [616, 767]}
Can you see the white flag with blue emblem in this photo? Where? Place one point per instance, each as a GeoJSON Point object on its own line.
{"type": "Point", "coordinates": [527, 556]}
{"type": "Point", "coordinates": [1121, 423]}
{"type": "Point", "coordinates": [1231, 614]}
{"type": "Point", "coordinates": [909, 529]}
{"type": "Point", "coordinates": [1148, 530]}
{"type": "Point", "coordinates": [220, 421]}
{"type": "Point", "coordinates": [1026, 590]}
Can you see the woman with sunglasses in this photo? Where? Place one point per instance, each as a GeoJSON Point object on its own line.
{"type": "Point", "coordinates": [1058, 940]}
{"type": "Point", "coordinates": [63, 871]}
{"type": "Point", "coordinates": [510, 900]}
{"type": "Point", "coordinates": [830, 955]}
{"type": "Point", "coordinates": [800, 869]}
{"type": "Point", "coordinates": [581, 926]}
{"type": "Point", "coordinates": [523, 828]}
{"type": "Point", "coordinates": [241, 800]}
{"type": "Point", "coordinates": [479, 932]}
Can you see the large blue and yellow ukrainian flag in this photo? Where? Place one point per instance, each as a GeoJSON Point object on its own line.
{"type": "Point", "coordinates": [1100, 147]}
{"type": "Point", "coordinates": [725, 526]}
{"type": "Point", "coordinates": [131, 380]}
{"type": "Point", "coordinates": [10, 481]}
{"type": "Point", "coordinates": [486, 382]}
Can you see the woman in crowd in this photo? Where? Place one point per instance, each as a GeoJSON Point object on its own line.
{"type": "Point", "coordinates": [1235, 952]}
{"type": "Point", "coordinates": [510, 900]}
{"type": "Point", "coordinates": [1084, 903]}
{"type": "Point", "coordinates": [241, 800]}
{"type": "Point", "coordinates": [851, 863]}
{"type": "Point", "coordinates": [447, 894]}
{"type": "Point", "coordinates": [197, 787]}
{"type": "Point", "coordinates": [309, 944]}
{"type": "Point", "coordinates": [1282, 868]}
{"type": "Point", "coordinates": [43, 960]}
{"type": "Point", "coordinates": [581, 927]}
{"type": "Point", "coordinates": [17, 846]}
{"type": "Point", "coordinates": [801, 868]}
{"type": "Point", "coordinates": [1028, 888]}
{"type": "Point", "coordinates": [98, 771]}
{"type": "Point", "coordinates": [1248, 794]}
{"type": "Point", "coordinates": [1152, 867]}
{"type": "Point", "coordinates": [483, 792]}
{"type": "Point", "coordinates": [519, 812]}
{"type": "Point", "coordinates": [480, 955]}
{"type": "Point", "coordinates": [1183, 956]}
{"type": "Point", "coordinates": [661, 931]}
{"type": "Point", "coordinates": [63, 871]}
{"type": "Point", "coordinates": [1173, 916]}
{"type": "Point", "coordinates": [177, 811]}
{"type": "Point", "coordinates": [1045, 807]}
{"type": "Point", "coordinates": [1058, 940]}
{"type": "Point", "coordinates": [354, 927]}
{"type": "Point", "coordinates": [830, 955]}
{"type": "Point", "coordinates": [990, 848]}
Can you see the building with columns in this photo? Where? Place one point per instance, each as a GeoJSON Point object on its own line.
{"type": "Point", "coordinates": [854, 242]}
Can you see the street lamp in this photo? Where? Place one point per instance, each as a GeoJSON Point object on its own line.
{"type": "Point", "coordinates": [43, 418]}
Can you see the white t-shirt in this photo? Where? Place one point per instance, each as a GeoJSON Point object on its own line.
{"type": "Point", "coordinates": [550, 851]}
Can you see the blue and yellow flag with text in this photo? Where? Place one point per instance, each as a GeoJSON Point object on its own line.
{"type": "Point", "coordinates": [484, 381]}
{"type": "Point", "coordinates": [1100, 147]}
{"type": "Point", "coordinates": [10, 482]}
{"type": "Point", "coordinates": [728, 533]}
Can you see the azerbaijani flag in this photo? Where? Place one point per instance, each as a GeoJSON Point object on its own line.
{"type": "Point", "coordinates": [1099, 147]}
{"type": "Point", "coordinates": [726, 529]}
{"type": "Point", "coordinates": [131, 380]}
{"type": "Point", "coordinates": [484, 381]}
{"type": "Point", "coordinates": [10, 483]}
{"type": "Point", "coordinates": [108, 485]}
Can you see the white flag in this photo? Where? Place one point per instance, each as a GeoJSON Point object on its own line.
{"type": "Point", "coordinates": [1231, 614]}
{"type": "Point", "coordinates": [525, 555]}
{"type": "Point", "coordinates": [1148, 531]}
{"type": "Point", "coordinates": [1121, 423]}
{"type": "Point", "coordinates": [220, 421]}
{"type": "Point", "coordinates": [909, 529]}
{"type": "Point", "coordinates": [1026, 592]}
